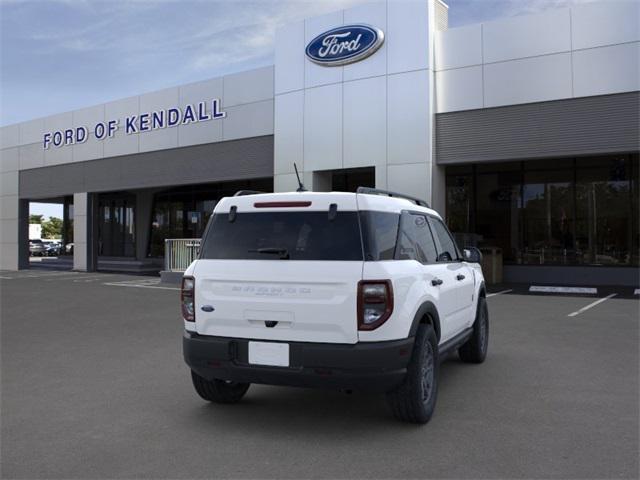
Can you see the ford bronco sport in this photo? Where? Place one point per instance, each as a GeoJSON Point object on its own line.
{"type": "Point", "coordinates": [363, 291]}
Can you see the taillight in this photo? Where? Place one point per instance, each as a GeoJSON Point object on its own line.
{"type": "Point", "coordinates": [187, 299]}
{"type": "Point", "coordinates": [375, 303]}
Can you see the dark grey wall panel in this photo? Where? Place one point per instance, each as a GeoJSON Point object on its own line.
{"type": "Point", "coordinates": [214, 162]}
{"type": "Point", "coordinates": [578, 126]}
{"type": "Point", "coordinates": [572, 275]}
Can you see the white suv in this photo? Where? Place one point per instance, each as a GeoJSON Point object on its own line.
{"type": "Point", "coordinates": [363, 291]}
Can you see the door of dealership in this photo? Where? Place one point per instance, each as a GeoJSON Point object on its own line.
{"type": "Point", "coordinates": [116, 225]}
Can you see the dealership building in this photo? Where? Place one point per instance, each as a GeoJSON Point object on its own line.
{"type": "Point", "coordinates": [523, 132]}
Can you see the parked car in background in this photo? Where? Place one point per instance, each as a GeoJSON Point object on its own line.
{"type": "Point", "coordinates": [37, 248]}
{"type": "Point", "coordinates": [53, 248]}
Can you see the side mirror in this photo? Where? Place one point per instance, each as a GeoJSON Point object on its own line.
{"type": "Point", "coordinates": [472, 255]}
{"type": "Point", "coordinates": [444, 257]}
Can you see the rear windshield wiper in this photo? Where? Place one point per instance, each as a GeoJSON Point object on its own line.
{"type": "Point", "coordinates": [283, 252]}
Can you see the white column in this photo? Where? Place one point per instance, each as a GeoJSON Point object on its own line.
{"type": "Point", "coordinates": [9, 209]}
{"type": "Point", "coordinates": [410, 100]}
{"type": "Point", "coordinates": [376, 113]}
{"type": "Point", "coordinates": [81, 234]}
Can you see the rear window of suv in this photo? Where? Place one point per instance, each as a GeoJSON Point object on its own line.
{"type": "Point", "coordinates": [283, 235]}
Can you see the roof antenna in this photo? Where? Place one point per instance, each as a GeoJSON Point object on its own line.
{"type": "Point", "coordinates": [301, 186]}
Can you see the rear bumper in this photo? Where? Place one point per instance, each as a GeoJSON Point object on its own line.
{"type": "Point", "coordinates": [375, 366]}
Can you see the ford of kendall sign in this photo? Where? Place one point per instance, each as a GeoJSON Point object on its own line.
{"type": "Point", "coordinates": [343, 45]}
{"type": "Point", "coordinates": [139, 123]}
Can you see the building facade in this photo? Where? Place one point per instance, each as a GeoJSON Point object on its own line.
{"type": "Point", "coordinates": [522, 131]}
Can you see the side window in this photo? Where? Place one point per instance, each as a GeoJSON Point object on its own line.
{"type": "Point", "coordinates": [416, 242]}
{"type": "Point", "coordinates": [379, 234]}
{"type": "Point", "coordinates": [447, 250]}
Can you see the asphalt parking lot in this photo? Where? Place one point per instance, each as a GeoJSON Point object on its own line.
{"type": "Point", "coordinates": [94, 386]}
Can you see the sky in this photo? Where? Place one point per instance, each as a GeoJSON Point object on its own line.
{"type": "Point", "coordinates": [61, 55]}
{"type": "Point", "coordinates": [47, 209]}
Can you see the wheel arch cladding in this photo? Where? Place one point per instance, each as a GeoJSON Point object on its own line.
{"type": "Point", "coordinates": [426, 314]}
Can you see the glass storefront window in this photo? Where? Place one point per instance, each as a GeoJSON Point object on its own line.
{"type": "Point", "coordinates": [460, 204]}
{"type": "Point", "coordinates": [548, 221]}
{"type": "Point", "coordinates": [116, 225]}
{"type": "Point", "coordinates": [498, 205]}
{"type": "Point", "coordinates": [183, 212]}
{"type": "Point", "coordinates": [575, 211]}
{"type": "Point", "coordinates": [604, 211]}
{"type": "Point", "coordinates": [166, 223]}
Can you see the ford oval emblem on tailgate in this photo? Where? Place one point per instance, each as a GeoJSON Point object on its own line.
{"type": "Point", "coordinates": [343, 45]}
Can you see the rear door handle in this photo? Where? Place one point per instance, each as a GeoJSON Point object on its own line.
{"type": "Point", "coordinates": [436, 281]}
{"type": "Point", "coordinates": [460, 277]}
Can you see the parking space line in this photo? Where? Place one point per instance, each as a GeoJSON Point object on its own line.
{"type": "Point", "coordinates": [551, 289]}
{"type": "Point", "coordinates": [7, 278]}
{"type": "Point", "coordinates": [112, 284]}
{"type": "Point", "coordinates": [83, 279]}
{"type": "Point", "coordinates": [139, 281]}
{"type": "Point", "coordinates": [89, 280]}
{"type": "Point", "coordinates": [46, 275]}
{"type": "Point", "coordinates": [499, 293]}
{"type": "Point", "coordinates": [59, 279]}
{"type": "Point", "coordinates": [591, 305]}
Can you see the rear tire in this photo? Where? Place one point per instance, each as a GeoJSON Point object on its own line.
{"type": "Point", "coordinates": [219, 391]}
{"type": "Point", "coordinates": [415, 399]}
{"type": "Point", "coordinates": [474, 350]}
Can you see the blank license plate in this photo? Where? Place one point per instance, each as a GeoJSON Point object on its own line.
{"type": "Point", "coordinates": [268, 353]}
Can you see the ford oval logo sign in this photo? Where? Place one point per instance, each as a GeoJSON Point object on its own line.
{"type": "Point", "coordinates": [343, 45]}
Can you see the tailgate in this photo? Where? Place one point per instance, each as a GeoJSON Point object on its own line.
{"type": "Point", "coordinates": [305, 301]}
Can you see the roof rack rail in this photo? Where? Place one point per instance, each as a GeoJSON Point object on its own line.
{"type": "Point", "coordinates": [242, 193]}
{"type": "Point", "coordinates": [377, 191]}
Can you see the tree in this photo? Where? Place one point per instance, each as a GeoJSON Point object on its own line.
{"type": "Point", "coordinates": [52, 228]}
{"type": "Point", "coordinates": [36, 219]}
